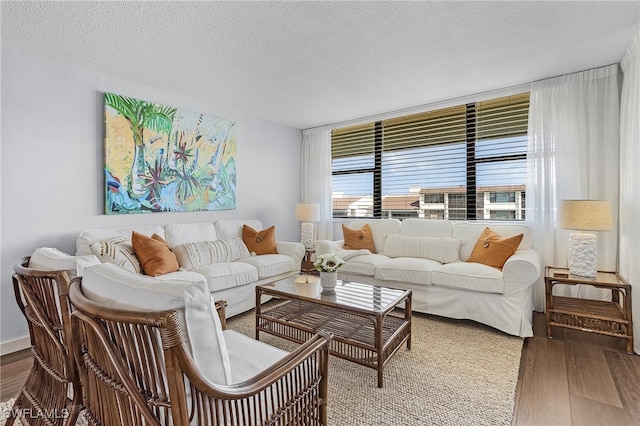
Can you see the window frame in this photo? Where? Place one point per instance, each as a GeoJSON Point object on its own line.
{"type": "Point", "coordinates": [472, 161]}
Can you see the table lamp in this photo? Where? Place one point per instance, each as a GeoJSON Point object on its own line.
{"type": "Point", "coordinates": [584, 215]}
{"type": "Point", "coordinates": [307, 213]}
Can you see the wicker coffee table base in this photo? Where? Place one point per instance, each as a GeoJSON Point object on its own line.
{"type": "Point", "coordinates": [366, 339]}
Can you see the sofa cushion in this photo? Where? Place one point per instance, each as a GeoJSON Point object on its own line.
{"type": "Point", "coordinates": [406, 269]}
{"type": "Point", "coordinates": [249, 357]}
{"type": "Point", "coordinates": [493, 250]}
{"type": "Point", "coordinates": [260, 242]}
{"type": "Point", "coordinates": [230, 228]}
{"type": "Point", "coordinates": [468, 276]}
{"type": "Point", "coordinates": [186, 292]}
{"type": "Point", "coordinates": [364, 264]}
{"type": "Point", "coordinates": [90, 236]}
{"type": "Point", "coordinates": [154, 253]}
{"type": "Point", "coordinates": [470, 232]}
{"type": "Point", "coordinates": [358, 239]}
{"type": "Point", "coordinates": [443, 250]}
{"type": "Point", "coordinates": [52, 259]}
{"type": "Point", "coordinates": [181, 233]}
{"type": "Point", "coordinates": [380, 228]}
{"type": "Point", "coordinates": [225, 275]}
{"type": "Point", "coordinates": [270, 265]}
{"type": "Point", "coordinates": [201, 253]}
{"type": "Point", "coordinates": [426, 227]}
{"type": "Point", "coordinates": [118, 251]}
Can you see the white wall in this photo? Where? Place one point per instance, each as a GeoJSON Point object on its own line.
{"type": "Point", "coordinates": [51, 166]}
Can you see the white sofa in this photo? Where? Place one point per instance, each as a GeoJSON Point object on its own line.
{"type": "Point", "coordinates": [502, 299]}
{"type": "Point", "coordinates": [232, 281]}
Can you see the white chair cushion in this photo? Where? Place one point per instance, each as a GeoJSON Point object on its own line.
{"type": "Point", "coordinates": [201, 253]}
{"type": "Point", "coordinates": [468, 276]}
{"type": "Point", "coordinates": [270, 265]}
{"type": "Point", "coordinates": [52, 259]}
{"type": "Point", "coordinates": [440, 249]}
{"type": "Point", "coordinates": [186, 292]}
{"type": "Point", "coordinates": [249, 356]}
{"type": "Point", "coordinates": [225, 275]}
{"type": "Point", "coordinates": [407, 269]}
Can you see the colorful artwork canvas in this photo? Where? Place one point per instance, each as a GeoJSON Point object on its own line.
{"type": "Point", "coordinates": [163, 159]}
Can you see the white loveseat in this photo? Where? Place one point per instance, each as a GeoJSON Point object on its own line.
{"type": "Point", "coordinates": [502, 299]}
{"type": "Point", "coordinates": [231, 280]}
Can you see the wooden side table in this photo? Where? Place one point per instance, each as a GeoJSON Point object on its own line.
{"type": "Point", "coordinates": [307, 263]}
{"type": "Point", "coordinates": [597, 316]}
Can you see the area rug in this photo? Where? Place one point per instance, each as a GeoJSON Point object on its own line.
{"type": "Point", "coordinates": [456, 373]}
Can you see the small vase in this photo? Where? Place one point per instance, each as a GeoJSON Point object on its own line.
{"type": "Point", "coordinates": [328, 280]}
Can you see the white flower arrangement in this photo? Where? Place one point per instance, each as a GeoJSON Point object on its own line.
{"type": "Point", "coordinates": [328, 263]}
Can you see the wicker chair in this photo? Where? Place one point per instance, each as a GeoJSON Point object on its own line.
{"type": "Point", "coordinates": [43, 298]}
{"type": "Point", "coordinates": [137, 370]}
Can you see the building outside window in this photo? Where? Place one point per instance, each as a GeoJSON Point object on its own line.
{"type": "Point", "coordinates": [502, 197]}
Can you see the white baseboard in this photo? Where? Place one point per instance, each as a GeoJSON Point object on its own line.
{"type": "Point", "coordinates": [14, 345]}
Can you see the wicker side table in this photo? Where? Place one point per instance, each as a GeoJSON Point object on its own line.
{"type": "Point", "coordinates": [307, 263]}
{"type": "Point", "coordinates": [612, 318]}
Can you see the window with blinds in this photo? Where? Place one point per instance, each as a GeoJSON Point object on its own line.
{"type": "Point", "coordinates": [464, 162]}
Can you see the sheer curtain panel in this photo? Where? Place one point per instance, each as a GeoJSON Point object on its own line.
{"type": "Point", "coordinates": [316, 176]}
{"type": "Point", "coordinates": [573, 153]}
{"type": "Point", "coordinates": [630, 177]}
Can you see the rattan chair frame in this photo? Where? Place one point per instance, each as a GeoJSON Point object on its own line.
{"type": "Point", "coordinates": [52, 393]}
{"type": "Point", "coordinates": [137, 364]}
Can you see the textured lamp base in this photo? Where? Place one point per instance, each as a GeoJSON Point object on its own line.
{"type": "Point", "coordinates": [582, 259]}
{"type": "Point", "coordinates": [306, 235]}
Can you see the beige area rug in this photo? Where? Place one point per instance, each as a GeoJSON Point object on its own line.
{"type": "Point", "coordinates": [456, 373]}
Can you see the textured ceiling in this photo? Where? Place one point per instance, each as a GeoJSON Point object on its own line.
{"type": "Point", "coordinates": [305, 64]}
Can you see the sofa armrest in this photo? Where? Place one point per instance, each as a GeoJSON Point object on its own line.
{"type": "Point", "coordinates": [521, 270]}
{"type": "Point", "coordinates": [295, 250]}
{"type": "Point", "coordinates": [328, 246]}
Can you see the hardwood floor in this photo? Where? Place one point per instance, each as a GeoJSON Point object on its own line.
{"type": "Point", "coordinates": [574, 379]}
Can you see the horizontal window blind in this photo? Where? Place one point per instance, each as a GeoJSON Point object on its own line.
{"type": "Point", "coordinates": [438, 164]}
{"type": "Point", "coordinates": [353, 141]}
{"type": "Point", "coordinates": [439, 127]}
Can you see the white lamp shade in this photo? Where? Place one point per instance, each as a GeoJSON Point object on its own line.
{"type": "Point", "coordinates": [308, 212]}
{"type": "Point", "coordinates": [585, 215]}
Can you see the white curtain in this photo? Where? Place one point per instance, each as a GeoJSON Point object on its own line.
{"type": "Point", "coordinates": [316, 176]}
{"type": "Point", "coordinates": [573, 153]}
{"type": "Point", "coordinates": [630, 178]}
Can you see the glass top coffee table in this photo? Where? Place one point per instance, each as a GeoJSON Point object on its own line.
{"type": "Point", "coordinates": [363, 318]}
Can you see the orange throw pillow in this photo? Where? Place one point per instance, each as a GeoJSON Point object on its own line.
{"type": "Point", "coordinates": [493, 250]}
{"type": "Point", "coordinates": [260, 242]}
{"type": "Point", "coordinates": [356, 239]}
{"type": "Point", "coordinates": [154, 254]}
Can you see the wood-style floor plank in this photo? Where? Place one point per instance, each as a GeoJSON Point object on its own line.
{"type": "Point", "coordinates": [587, 369]}
{"type": "Point", "coordinates": [625, 370]}
{"type": "Point", "coordinates": [586, 412]}
{"type": "Point", "coordinates": [544, 384]}
{"type": "Point", "coordinates": [13, 376]}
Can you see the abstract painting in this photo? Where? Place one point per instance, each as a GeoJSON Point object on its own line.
{"type": "Point", "coordinates": [164, 159]}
